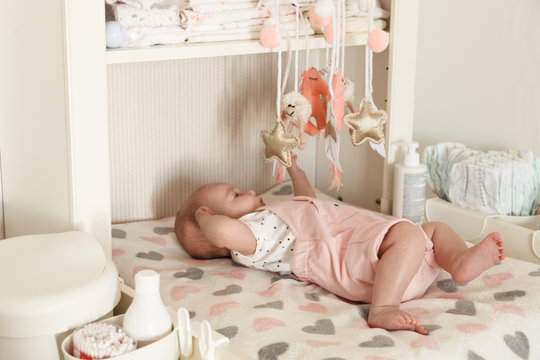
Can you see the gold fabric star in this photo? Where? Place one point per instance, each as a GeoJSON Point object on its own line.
{"type": "Point", "coordinates": [279, 144]}
{"type": "Point", "coordinates": [366, 124]}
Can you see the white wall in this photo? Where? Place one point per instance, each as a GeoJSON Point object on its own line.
{"type": "Point", "coordinates": [33, 118]}
{"type": "Point", "coordinates": [478, 74]}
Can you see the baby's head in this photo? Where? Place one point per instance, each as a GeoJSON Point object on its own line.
{"type": "Point", "coordinates": [221, 198]}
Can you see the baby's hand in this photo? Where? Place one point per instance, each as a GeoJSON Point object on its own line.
{"type": "Point", "coordinates": [293, 161]}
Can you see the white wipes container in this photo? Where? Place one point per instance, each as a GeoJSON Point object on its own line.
{"type": "Point", "coordinates": [51, 284]}
{"type": "Point", "coordinates": [147, 319]}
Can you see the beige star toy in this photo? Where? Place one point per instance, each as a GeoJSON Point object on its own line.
{"type": "Point", "coordinates": [279, 144]}
{"type": "Point", "coordinates": [366, 124]}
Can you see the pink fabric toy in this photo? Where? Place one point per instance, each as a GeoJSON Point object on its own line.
{"type": "Point", "coordinates": [313, 88]}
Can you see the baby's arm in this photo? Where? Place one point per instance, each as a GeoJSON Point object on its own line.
{"type": "Point", "coordinates": [301, 184]}
{"type": "Point", "coordinates": [225, 232]}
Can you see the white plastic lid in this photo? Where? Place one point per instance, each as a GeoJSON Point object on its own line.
{"type": "Point", "coordinates": [52, 283]}
{"type": "Point", "coordinates": [412, 158]}
{"type": "Point", "coordinates": [147, 282]}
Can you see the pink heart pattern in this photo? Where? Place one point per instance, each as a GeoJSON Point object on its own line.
{"type": "Point", "coordinates": [266, 323]}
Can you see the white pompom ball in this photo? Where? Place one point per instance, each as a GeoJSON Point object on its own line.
{"type": "Point", "coordinates": [115, 34]}
{"type": "Point", "coordinates": [324, 9]}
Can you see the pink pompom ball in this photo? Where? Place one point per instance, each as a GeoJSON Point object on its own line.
{"type": "Point", "coordinates": [328, 32]}
{"type": "Point", "coordinates": [269, 36]}
{"type": "Point", "coordinates": [317, 21]}
{"type": "Point", "coordinates": [378, 40]}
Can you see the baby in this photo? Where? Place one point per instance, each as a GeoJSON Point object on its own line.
{"type": "Point", "coordinates": [352, 252]}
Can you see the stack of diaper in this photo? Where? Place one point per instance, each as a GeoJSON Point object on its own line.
{"type": "Point", "coordinates": [149, 22]}
{"type": "Point", "coordinates": [496, 182]}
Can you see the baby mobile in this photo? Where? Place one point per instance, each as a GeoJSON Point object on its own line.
{"type": "Point", "coordinates": [316, 100]}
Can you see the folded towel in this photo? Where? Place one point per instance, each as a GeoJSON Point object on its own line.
{"type": "Point", "coordinates": [130, 16]}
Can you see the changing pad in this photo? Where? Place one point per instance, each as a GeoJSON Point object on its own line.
{"type": "Point", "coordinates": [268, 316]}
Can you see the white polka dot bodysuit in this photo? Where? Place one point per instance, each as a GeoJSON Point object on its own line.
{"type": "Point", "coordinates": [275, 243]}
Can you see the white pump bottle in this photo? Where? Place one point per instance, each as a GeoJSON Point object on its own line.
{"type": "Point", "coordinates": [410, 186]}
{"type": "Point", "coordinates": [147, 319]}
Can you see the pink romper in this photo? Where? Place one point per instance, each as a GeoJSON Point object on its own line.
{"type": "Point", "coordinates": [337, 244]}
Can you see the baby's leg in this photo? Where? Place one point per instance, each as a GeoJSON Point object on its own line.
{"type": "Point", "coordinates": [401, 253]}
{"type": "Point", "coordinates": [462, 262]}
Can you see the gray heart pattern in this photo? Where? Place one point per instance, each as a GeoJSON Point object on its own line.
{"type": "Point", "coordinates": [321, 327]}
{"type": "Point", "coordinates": [284, 190]}
{"type": "Point", "coordinates": [229, 290]}
{"type": "Point", "coordinates": [508, 295]}
{"type": "Point", "coordinates": [431, 328]}
{"type": "Point", "coordinates": [151, 255]}
{"type": "Point", "coordinates": [519, 344]}
{"type": "Point", "coordinates": [364, 311]}
{"type": "Point", "coordinates": [191, 273]}
{"type": "Point", "coordinates": [118, 233]}
{"type": "Point", "coordinates": [447, 285]}
{"type": "Point", "coordinates": [473, 356]}
{"type": "Point", "coordinates": [312, 296]}
{"type": "Point", "coordinates": [163, 230]}
{"type": "Point", "coordinates": [378, 341]}
{"type": "Point", "coordinates": [535, 273]}
{"type": "Point", "coordinates": [271, 305]}
{"type": "Point", "coordinates": [229, 331]}
{"type": "Point", "coordinates": [272, 351]}
{"type": "Point", "coordinates": [463, 307]}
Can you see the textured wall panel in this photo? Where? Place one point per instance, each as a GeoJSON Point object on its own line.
{"type": "Point", "coordinates": [177, 125]}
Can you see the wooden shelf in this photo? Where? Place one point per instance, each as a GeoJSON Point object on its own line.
{"type": "Point", "coordinates": [226, 48]}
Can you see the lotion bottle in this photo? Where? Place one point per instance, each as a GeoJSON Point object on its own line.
{"type": "Point", "coordinates": [147, 319]}
{"type": "Point", "coordinates": [410, 186]}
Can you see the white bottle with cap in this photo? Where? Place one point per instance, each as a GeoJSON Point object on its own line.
{"type": "Point", "coordinates": [410, 186]}
{"type": "Point", "coordinates": [147, 319]}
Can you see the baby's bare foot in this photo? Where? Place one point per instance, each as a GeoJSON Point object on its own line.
{"type": "Point", "coordinates": [479, 258]}
{"type": "Point", "coordinates": [392, 318]}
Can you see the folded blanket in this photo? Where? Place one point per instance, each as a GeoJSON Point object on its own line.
{"type": "Point", "coordinates": [130, 16]}
{"type": "Point", "coordinates": [147, 36]}
{"type": "Point", "coordinates": [227, 36]}
{"type": "Point", "coordinates": [189, 17]}
{"type": "Point", "coordinates": [289, 29]}
{"type": "Point", "coordinates": [356, 24]}
{"type": "Point", "coordinates": [144, 4]}
{"type": "Point", "coordinates": [236, 24]}
{"type": "Point", "coordinates": [221, 6]}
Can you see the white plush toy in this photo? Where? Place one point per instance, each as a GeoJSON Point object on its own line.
{"type": "Point", "coordinates": [296, 111]}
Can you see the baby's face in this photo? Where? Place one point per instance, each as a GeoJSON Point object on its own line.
{"type": "Point", "coordinates": [228, 200]}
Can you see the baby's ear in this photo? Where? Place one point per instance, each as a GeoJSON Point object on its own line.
{"type": "Point", "coordinates": [204, 210]}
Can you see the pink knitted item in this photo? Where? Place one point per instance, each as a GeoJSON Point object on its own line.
{"type": "Point", "coordinates": [378, 40]}
{"type": "Point", "coordinates": [269, 36]}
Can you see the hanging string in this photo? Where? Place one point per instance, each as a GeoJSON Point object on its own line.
{"type": "Point", "coordinates": [368, 86]}
{"type": "Point", "coordinates": [297, 16]}
{"type": "Point", "coordinates": [278, 97]}
{"type": "Point", "coordinates": [342, 8]}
